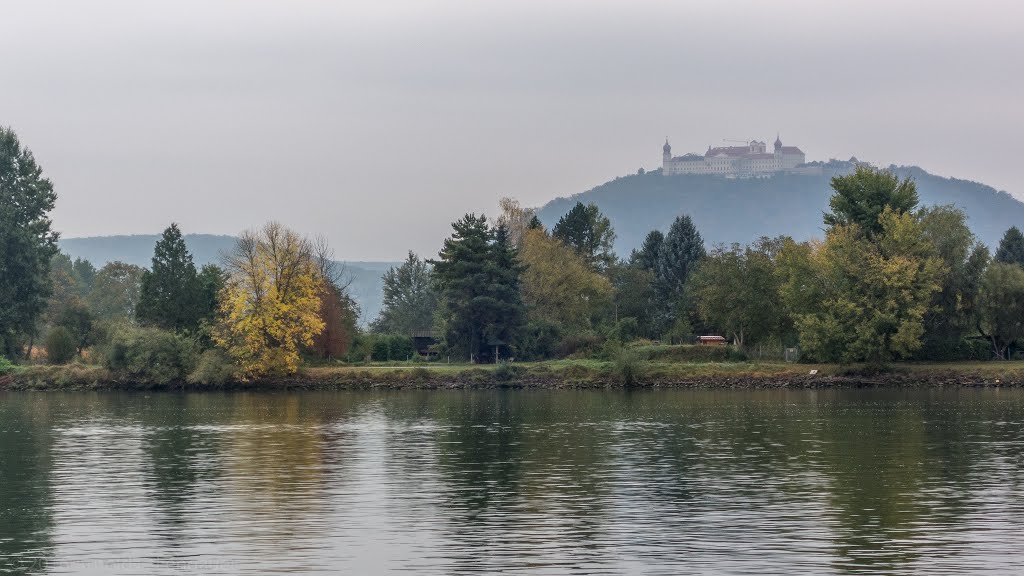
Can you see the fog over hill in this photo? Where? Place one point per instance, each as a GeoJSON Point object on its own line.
{"type": "Point", "coordinates": [740, 210]}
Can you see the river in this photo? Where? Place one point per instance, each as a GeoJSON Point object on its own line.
{"type": "Point", "coordinates": [517, 482]}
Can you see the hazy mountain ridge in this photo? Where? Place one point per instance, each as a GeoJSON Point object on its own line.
{"type": "Point", "coordinates": [741, 210]}
{"type": "Point", "coordinates": [366, 284]}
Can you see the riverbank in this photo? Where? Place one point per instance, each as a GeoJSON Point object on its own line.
{"type": "Point", "coordinates": [552, 375]}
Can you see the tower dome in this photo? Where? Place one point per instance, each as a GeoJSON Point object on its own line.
{"type": "Point", "coordinates": [666, 148]}
{"type": "Point", "coordinates": [778, 142]}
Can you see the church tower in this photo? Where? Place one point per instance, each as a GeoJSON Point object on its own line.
{"type": "Point", "coordinates": [666, 155]}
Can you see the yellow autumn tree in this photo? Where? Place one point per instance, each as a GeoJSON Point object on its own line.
{"type": "Point", "coordinates": [558, 286]}
{"type": "Point", "coordinates": [270, 306]}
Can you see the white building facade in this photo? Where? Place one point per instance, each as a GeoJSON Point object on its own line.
{"type": "Point", "coordinates": [735, 161]}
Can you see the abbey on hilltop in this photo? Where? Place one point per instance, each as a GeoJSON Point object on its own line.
{"type": "Point", "coordinates": [735, 161]}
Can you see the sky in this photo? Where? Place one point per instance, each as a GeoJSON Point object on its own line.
{"type": "Point", "coordinates": [378, 123]}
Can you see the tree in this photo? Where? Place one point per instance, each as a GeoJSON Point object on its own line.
{"type": "Point", "coordinates": [27, 242]}
{"type": "Point", "coordinates": [60, 346]}
{"type": "Point", "coordinates": [271, 302]}
{"type": "Point", "coordinates": [170, 293]}
{"type": "Point", "coordinates": [952, 315]}
{"type": "Point", "coordinates": [634, 296]}
{"type": "Point", "coordinates": [516, 219]}
{"type": "Point", "coordinates": [861, 197]}
{"type": "Point", "coordinates": [1011, 247]}
{"type": "Point", "coordinates": [859, 298]}
{"type": "Point", "coordinates": [589, 233]}
{"type": "Point", "coordinates": [115, 291]}
{"type": "Point", "coordinates": [211, 281]}
{"type": "Point", "coordinates": [646, 257]}
{"type": "Point", "coordinates": [558, 287]}
{"type": "Point", "coordinates": [339, 313]}
{"type": "Point", "coordinates": [1001, 306]}
{"type": "Point", "coordinates": [85, 275]}
{"type": "Point", "coordinates": [737, 291]}
{"type": "Point", "coordinates": [477, 275]}
{"type": "Point", "coordinates": [409, 298]}
{"type": "Point", "coordinates": [678, 256]}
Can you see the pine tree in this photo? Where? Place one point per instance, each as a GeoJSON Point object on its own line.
{"type": "Point", "coordinates": [1011, 247]}
{"type": "Point", "coordinates": [477, 273]}
{"type": "Point", "coordinates": [646, 258]}
{"type": "Point", "coordinates": [678, 256]}
{"type": "Point", "coordinates": [589, 233]}
{"type": "Point", "coordinates": [170, 295]}
{"type": "Point", "coordinates": [27, 243]}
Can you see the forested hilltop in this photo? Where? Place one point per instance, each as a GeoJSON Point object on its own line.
{"type": "Point", "coordinates": [743, 210]}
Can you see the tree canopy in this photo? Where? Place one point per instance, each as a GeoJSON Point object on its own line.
{"type": "Point", "coordinates": [861, 197]}
{"type": "Point", "coordinates": [27, 242]}
{"type": "Point", "coordinates": [589, 233]}
{"type": "Point", "coordinates": [170, 294]}
{"type": "Point", "coordinates": [1011, 247]}
{"type": "Point", "coordinates": [409, 298]}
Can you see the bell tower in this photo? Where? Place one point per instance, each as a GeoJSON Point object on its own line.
{"type": "Point", "coordinates": [666, 155]}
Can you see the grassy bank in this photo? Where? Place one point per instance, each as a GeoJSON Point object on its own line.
{"type": "Point", "coordinates": [553, 374]}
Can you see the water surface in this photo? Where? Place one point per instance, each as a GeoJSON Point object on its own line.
{"type": "Point", "coordinates": [554, 482]}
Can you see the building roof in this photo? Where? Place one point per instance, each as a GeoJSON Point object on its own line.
{"type": "Point", "coordinates": [791, 150]}
{"type": "Point", "coordinates": [728, 151]}
{"type": "Point", "coordinates": [689, 158]}
{"type": "Point", "coordinates": [765, 156]}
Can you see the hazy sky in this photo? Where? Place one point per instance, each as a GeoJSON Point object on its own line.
{"type": "Point", "coordinates": [377, 123]}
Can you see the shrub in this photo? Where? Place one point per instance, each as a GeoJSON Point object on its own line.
{"type": "Point", "coordinates": [628, 367]}
{"type": "Point", "coordinates": [214, 368]}
{"type": "Point", "coordinates": [539, 340]}
{"type": "Point", "coordinates": [505, 372]}
{"type": "Point", "coordinates": [60, 345]}
{"type": "Point", "coordinates": [150, 355]}
{"type": "Point", "coordinates": [5, 366]}
{"type": "Point", "coordinates": [625, 330]}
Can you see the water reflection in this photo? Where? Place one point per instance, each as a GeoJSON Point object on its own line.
{"type": "Point", "coordinates": [667, 482]}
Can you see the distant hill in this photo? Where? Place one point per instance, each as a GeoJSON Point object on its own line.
{"type": "Point", "coordinates": [741, 210]}
{"type": "Point", "coordinates": [366, 287]}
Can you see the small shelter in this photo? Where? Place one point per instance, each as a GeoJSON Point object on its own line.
{"type": "Point", "coordinates": [423, 340]}
{"type": "Point", "coordinates": [711, 341]}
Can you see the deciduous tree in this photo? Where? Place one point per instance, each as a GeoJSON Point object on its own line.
{"type": "Point", "coordinates": [861, 197]}
{"type": "Point", "coordinates": [1001, 306]}
{"type": "Point", "coordinates": [409, 298]}
{"type": "Point", "coordinates": [27, 242]}
{"type": "Point", "coordinates": [559, 288]}
{"type": "Point", "coordinates": [115, 291]}
{"type": "Point", "coordinates": [270, 307]}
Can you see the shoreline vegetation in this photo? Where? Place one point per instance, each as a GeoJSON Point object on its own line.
{"type": "Point", "coordinates": [555, 374]}
{"type": "Point", "coordinates": [894, 294]}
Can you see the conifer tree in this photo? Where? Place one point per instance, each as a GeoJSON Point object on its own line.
{"type": "Point", "coordinates": [170, 295]}
{"type": "Point", "coordinates": [646, 258]}
{"type": "Point", "coordinates": [678, 256]}
{"type": "Point", "coordinates": [409, 298]}
{"type": "Point", "coordinates": [1011, 247]}
{"type": "Point", "coordinates": [589, 233]}
{"type": "Point", "coordinates": [477, 274]}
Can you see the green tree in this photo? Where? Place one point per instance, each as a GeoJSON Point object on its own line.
{"type": "Point", "coordinates": [60, 346]}
{"type": "Point", "coordinates": [559, 288]}
{"type": "Point", "coordinates": [737, 291]}
{"type": "Point", "coordinates": [27, 242]}
{"type": "Point", "coordinates": [952, 315]}
{"type": "Point", "coordinates": [635, 297]}
{"type": "Point", "coordinates": [85, 275]}
{"type": "Point", "coordinates": [409, 298]}
{"type": "Point", "coordinates": [861, 298]}
{"type": "Point", "coordinates": [646, 257]}
{"type": "Point", "coordinates": [678, 256]}
{"type": "Point", "coordinates": [589, 233]}
{"type": "Point", "coordinates": [211, 280]}
{"type": "Point", "coordinates": [1011, 247]}
{"type": "Point", "coordinates": [1001, 306]}
{"type": "Point", "coordinates": [861, 197]}
{"type": "Point", "coordinates": [170, 295]}
{"type": "Point", "coordinates": [115, 292]}
{"type": "Point", "coordinates": [477, 275]}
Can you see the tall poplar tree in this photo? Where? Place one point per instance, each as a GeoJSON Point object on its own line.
{"type": "Point", "coordinates": [170, 295]}
{"type": "Point", "coordinates": [27, 243]}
